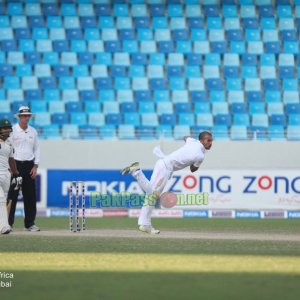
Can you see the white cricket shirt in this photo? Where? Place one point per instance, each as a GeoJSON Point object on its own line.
{"type": "Point", "coordinates": [25, 144]}
{"type": "Point", "coordinates": [6, 151]}
{"type": "Point", "coordinates": [191, 153]}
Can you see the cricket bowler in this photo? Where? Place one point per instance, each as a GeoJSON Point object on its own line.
{"type": "Point", "coordinates": [191, 154]}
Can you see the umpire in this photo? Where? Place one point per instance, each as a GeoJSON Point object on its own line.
{"type": "Point", "coordinates": [27, 157]}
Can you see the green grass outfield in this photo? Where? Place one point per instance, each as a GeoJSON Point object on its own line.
{"type": "Point", "coordinates": [145, 267]}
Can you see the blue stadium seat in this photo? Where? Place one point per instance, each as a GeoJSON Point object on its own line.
{"type": "Point", "coordinates": [237, 108]}
{"type": "Point", "coordinates": [143, 95]}
{"type": "Point", "coordinates": [254, 96]}
{"type": "Point", "coordinates": [106, 22]}
{"type": "Point", "coordinates": [60, 118]}
{"type": "Point", "coordinates": [275, 108]}
{"type": "Point", "coordinates": [164, 108]}
{"type": "Point", "coordinates": [132, 118]}
{"type": "Point", "coordinates": [267, 60]}
{"type": "Point", "coordinates": [50, 9]}
{"type": "Point", "coordinates": [238, 133]}
{"type": "Point", "coordinates": [276, 132]}
{"type": "Point", "coordinates": [157, 10]}
{"type": "Point", "coordinates": [88, 95]}
{"type": "Point", "coordinates": [22, 33]}
{"type": "Point", "coordinates": [6, 70]}
{"type": "Point", "coordinates": [231, 72]}
{"type": "Point", "coordinates": [205, 120]}
{"type": "Point", "coordinates": [102, 10]}
{"type": "Point", "coordinates": [78, 118]}
{"type": "Point", "coordinates": [146, 107]}
{"type": "Point", "coordinates": [272, 47]}
{"type": "Point", "coordinates": [54, 22]}
{"type": "Point", "coordinates": [104, 83]}
{"type": "Point", "coordinates": [266, 11]}
{"type": "Point", "coordinates": [145, 132]}
{"type": "Point", "coordinates": [220, 108]}
{"type": "Point", "coordinates": [26, 45]}
{"type": "Point", "coordinates": [234, 35]}
{"type": "Point", "coordinates": [126, 107]}
{"type": "Point", "coordinates": [88, 132]}
{"type": "Point", "coordinates": [241, 119]}
{"type": "Point", "coordinates": [92, 106]}
{"type": "Point", "coordinates": [42, 119]}
{"type": "Point", "coordinates": [223, 119]}
{"type": "Point", "coordinates": [293, 108]}
{"type": "Point", "coordinates": [271, 84]}
{"type": "Point", "coordinates": [278, 120]}
{"type": "Point", "coordinates": [8, 45]}
{"type": "Point", "coordinates": [234, 84]}
{"type": "Point", "coordinates": [70, 131]}
{"type": "Point", "coordinates": [141, 22]}
{"type": "Point", "coordinates": [36, 21]}
{"type": "Point", "coordinates": [111, 107]}
{"type": "Point", "coordinates": [256, 108]}
{"type": "Point", "coordinates": [96, 119]}
{"type": "Point", "coordinates": [294, 119]}
{"type": "Point", "coordinates": [159, 96]}
{"type": "Point", "coordinates": [180, 131]}
{"type": "Point", "coordinates": [260, 120]}
{"type": "Point", "coordinates": [11, 82]}
{"type": "Point", "coordinates": [182, 108]}
{"type": "Point", "coordinates": [73, 106]}
{"type": "Point", "coordinates": [214, 84]}
{"type": "Point", "coordinates": [48, 83]}
{"type": "Point", "coordinates": [258, 133]}
{"type": "Point", "coordinates": [56, 107]}
{"type": "Point", "coordinates": [149, 119]}
{"type": "Point", "coordinates": [290, 97]}
{"type": "Point", "coordinates": [198, 96]}
{"type": "Point", "coordinates": [164, 131]}
{"type": "Point", "coordinates": [66, 83]}
{"type": "Point", "coordinates": [293, 133]}
{"type": "Point", "coordinates": [220, 132]}
{"type": "Point", "coordinates": [51, 58]}
{"type": "Point", "coordinates": [113, 119]}
{"type": "Point", "coordinates": [108, 132]}
{"type": "Point", "coordinates": [51, 95]}
{"type": "Point", "coordinates": [33, 95]}
{"type": "Point", "coordinates": [126, 132]}
{"type": "Point", "coordinates": [166, 47]}
{"type": "Point", "coordinates": [168, 119]}
{"type": "Point", "coordinates": [52, 131]}
{"type": "Point", "coordinates": [4, 106]}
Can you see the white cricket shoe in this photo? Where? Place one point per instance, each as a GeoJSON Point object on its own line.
{"type": "Point", "coordinates": [131, 169]}
{"type": "Point", "coordinates": [148, 229]}
{"type": "Point", "coordinates": [6, 229]}
{"type": "Point", "coordinates": [32, 228]}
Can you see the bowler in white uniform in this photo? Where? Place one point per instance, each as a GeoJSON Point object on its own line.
{"type": "Point", "coordinates": [191, 154]}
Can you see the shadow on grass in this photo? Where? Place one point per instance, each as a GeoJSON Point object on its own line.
{"type": "Point", "coordinates": [109, 285]}
{"type": "Point", "coordinates": [288, 226]}
{"type": "Point", "coordinates": [79, 244]}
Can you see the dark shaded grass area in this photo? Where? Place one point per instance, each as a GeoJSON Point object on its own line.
{"type": "Point", "coordinates": [186, 224]}
{"type": "Point", "coordinates": [80, 244]}
{"type": "Point", "coordinates": [107, 285]}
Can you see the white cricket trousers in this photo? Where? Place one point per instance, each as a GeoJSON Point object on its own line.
{"type": "Point", "coordinates": [4, 187]}
{"type": "Point", "coordinates": [157, 183]}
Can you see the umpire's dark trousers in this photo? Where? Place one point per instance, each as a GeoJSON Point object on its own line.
{"type": "Point", "coordinates": [29, 196]}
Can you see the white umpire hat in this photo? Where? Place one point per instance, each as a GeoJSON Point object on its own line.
{"type": "Point", "coordinates": [24, 111]}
